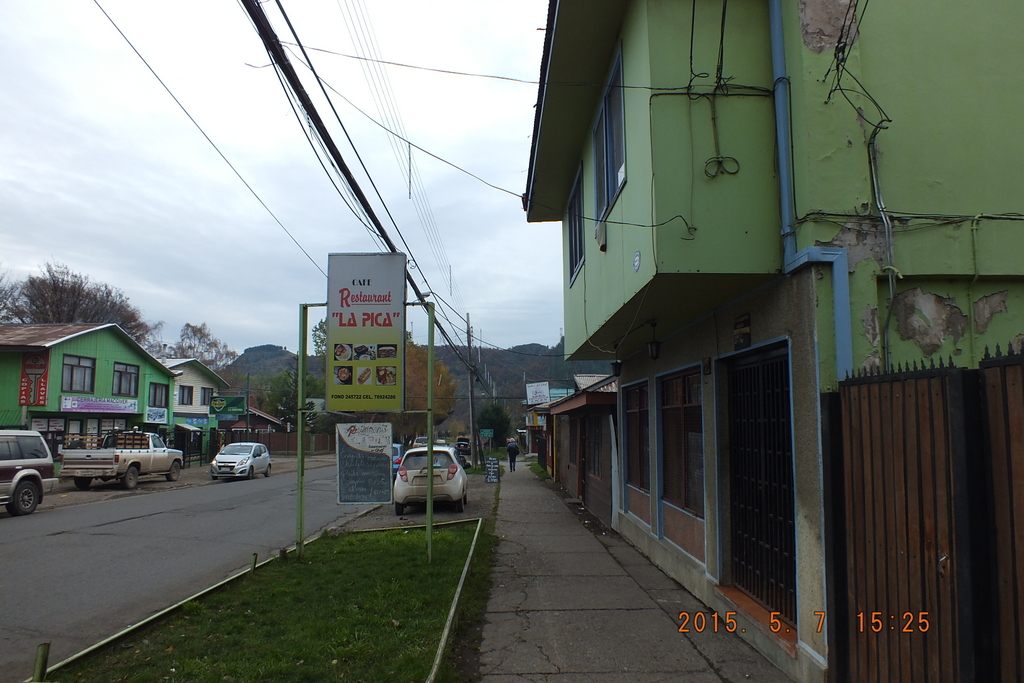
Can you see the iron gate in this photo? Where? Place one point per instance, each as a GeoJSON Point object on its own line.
{"type": "Point", "coordinates": [761, 475]}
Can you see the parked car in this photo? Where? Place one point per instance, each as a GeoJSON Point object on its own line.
{"type": "Point", "coordinates": [463, 450]}
{"type": "Point", "coordinates": [421, 441]}
{"type": "Point", "coordinates": [26, 470]}
{"type": "Point", "coordinates": [123, 456]}
{"type": "Point", "coordinates": [450, 481]}
{"type": "Point", "coordinates": [242, 460]}
{"type": "Point", "coordinates": [396, 459]}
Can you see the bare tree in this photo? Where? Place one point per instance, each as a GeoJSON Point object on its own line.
{"type": "Point", "coordinates": [8, 294]}
{"type": "Point", "coordinates": [60, 295]}
{"type": "Point", "coordinates": [198, 342]}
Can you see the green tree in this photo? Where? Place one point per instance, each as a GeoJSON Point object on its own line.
{"type": "Point", "coordinates": [320, 339]}
{"type": "Point", "coordinates": [494, 416]}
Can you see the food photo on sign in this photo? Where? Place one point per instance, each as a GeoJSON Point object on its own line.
{"type": "Point", "coordinates": [343, 375]}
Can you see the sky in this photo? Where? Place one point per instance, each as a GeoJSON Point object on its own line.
{"type": "Point", "coordinates": [101, 170]}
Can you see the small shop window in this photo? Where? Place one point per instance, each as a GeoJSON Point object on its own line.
{"type": "Point", "coordinates": [126, 380]}
{"type": "Point", "coordinates": [79, 374]}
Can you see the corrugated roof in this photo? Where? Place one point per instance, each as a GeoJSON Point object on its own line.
{"type": "Point", "coordinates": [583, 382]}
{"type": "Point", "coordinates": [44, 336]}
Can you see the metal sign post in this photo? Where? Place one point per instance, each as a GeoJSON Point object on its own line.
{"type": "Point", "coordinates": [300, 448]}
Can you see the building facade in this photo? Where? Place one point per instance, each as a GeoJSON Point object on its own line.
{"type": "Point", "coordinates": [756, 199]}
{"type": "Point", "coordinates": [79, 379]}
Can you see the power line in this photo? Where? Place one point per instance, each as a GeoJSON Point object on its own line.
{"type": "Point", "coordinates": [212, 143]}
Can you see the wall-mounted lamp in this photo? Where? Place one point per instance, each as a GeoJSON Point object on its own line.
{"type": "Point", "coordinates": [616, 367]}
{"type": "Point", "coordinates": [653, 346]}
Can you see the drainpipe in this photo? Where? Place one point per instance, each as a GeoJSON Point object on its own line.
{"type": "Point", "coordinates": [792, 260]}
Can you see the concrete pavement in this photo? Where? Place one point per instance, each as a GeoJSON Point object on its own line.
{"type": "Point", "coordinates": [569, 605]}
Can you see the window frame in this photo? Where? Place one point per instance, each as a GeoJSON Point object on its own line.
{"type": "Point", "coordinates": [205, 396]}
{"type": "Point", "coordinates": [155, 398]}
{"type": "Point", "coordinates": [574, 227]}
{"type": "Point", "coordinates": [117, 383]}
{"type": "Point", "coordinates": [638, 436]}
{"type": "Point", "coordinates": [609, 142]}
{"type": "Point", "coordinates": [184, 389]}
{"type": "Point", "coordinates": [681, 418]}
{"type": "Point", "coordinates": [69, 375]}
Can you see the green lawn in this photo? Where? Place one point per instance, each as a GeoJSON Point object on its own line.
{"type": "Point", "coordinates": [359, 607]}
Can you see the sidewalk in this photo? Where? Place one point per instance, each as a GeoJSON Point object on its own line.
{"type": "Point", "coordinates": [570, 606]}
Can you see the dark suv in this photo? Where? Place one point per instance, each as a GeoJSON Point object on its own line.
{"type": "Point", "coordinates": [26, 470]}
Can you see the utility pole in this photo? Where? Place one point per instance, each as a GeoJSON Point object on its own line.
{"type": "Point", "coordinates": [474, 453]}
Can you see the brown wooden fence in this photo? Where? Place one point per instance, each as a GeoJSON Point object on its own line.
{"type": "Point", "coordinates": [908, 601]}
{"type": "Point", "coordinates": [283, 443]}
{"type": "Point", "coordinates": [1003, 386]}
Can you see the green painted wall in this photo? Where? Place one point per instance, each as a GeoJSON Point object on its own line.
{"type": "Point", "coordinates": [107, 347]}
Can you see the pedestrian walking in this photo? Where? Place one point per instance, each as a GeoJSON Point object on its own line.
{"type": "Point", "coordinates": [513, 450]}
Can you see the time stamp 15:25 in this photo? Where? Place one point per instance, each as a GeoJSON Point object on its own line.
{"type": "Point", "coordinates": [865, 622]}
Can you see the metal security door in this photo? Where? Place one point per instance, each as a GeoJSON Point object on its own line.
{"type": "Point", "coordinates": [761, 474]}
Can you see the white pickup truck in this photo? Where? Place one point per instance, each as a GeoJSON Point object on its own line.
{"type": "Point", "coordinates": [124, 456]}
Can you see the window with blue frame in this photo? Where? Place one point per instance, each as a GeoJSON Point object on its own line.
{"type": "Point", "coordinates": [609, 145]}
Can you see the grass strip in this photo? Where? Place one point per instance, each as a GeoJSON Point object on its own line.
{"type": "Point", "coordinates": [359, 607]}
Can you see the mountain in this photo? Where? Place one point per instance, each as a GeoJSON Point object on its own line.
{"type": "Point", "coordinates": [270, 359]}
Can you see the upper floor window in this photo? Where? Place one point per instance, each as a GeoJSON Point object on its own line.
{"type": "Point", "coordinates": [184, 395]}
{"type": "Point", "coordinates": [638, 443]}
{"type": "Point", "coordinates": [575, 228]}
{"type": "Point", "coordinates": [126, 380]}
{"type": "Point", "coordinates": [205, 396]}
{"type": "Point", "coordinates": [682, 432]}
{"type": "Point", "coordinates": [609, 145]}
{"type": "Point", "coordinates": [157, 395]}
{"type": "Point", "coordinates": [79, 374]}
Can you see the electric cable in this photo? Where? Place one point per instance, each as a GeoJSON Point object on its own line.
{"type": "Point", "coordinates": [212, 143]}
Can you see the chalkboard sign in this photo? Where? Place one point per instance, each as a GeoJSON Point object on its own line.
{"type": "Point", "coordinates": [364, 463]}
{"type": "Point", "coordinates": [491, 472]}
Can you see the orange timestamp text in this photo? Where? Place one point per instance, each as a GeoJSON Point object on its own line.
{"type": "Point", "coordinates": [714, 622]}
{"type": "Point", "coordinates": [907, 622]}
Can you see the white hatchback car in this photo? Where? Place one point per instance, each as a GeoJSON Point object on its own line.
{"type": "Point", "coordinates": [241, 460]}
{"type": "Point", "coordinates": [450, 481]}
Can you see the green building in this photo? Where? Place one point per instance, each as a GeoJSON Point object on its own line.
{"type": "Point", "coordinates": [756, 199]}
{"type": "Point", "coordinates": [80, 379]}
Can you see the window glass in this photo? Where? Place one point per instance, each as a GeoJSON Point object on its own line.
{"type": "Point", "coordinates": [638, 464]}
{"type": "Point", "coordinates": [575, 227]}
{"type": "Point", "coordinates": [9, 448]}
{"type": "Point", "coordinates": [609, 145]}
{"type": "Point", "coordinates": [31, 446]}
{"type": "Point", "coordinates": [185, 395]}
{"type": "Point", "coordinates": [158, 442]}
{"type": "Point", "coordinates": [682, 438]}
{"type": "Point", "coordinates": [79, 374]}
{"type": "Point", "coordinates": [158, 395]}
{"type": "Point", "coordinates": [126, 380]}
{"type": "Point", "coordinates": [205, 396]}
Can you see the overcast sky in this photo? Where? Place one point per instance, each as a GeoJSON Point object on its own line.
{"type": "Point", "coordinates": [101, 171]}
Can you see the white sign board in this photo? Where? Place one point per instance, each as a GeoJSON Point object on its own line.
{"type": "Point", "coordinates": [537, 393]}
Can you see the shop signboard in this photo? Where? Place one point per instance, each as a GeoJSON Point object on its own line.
{"type": "Point", "coordinates": [364, 462]}
{"type": "Point", "coordinates": [34, 377]}
{"type": "Point", "coordinates": [366, 332]}
{"type": "Point", "coordinates": [93, 404]}
{"type": "Point", "coordinates": [227, 405]}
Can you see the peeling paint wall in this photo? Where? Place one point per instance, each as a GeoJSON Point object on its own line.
{"type": "Point", "coordinates": [985, 309]}
{"type": "Point", "coordinates": [927, 319]}
{"type": "Point", "coordinates": [862, 241]}
{"type": "Point", "coordinates": [821, 22]}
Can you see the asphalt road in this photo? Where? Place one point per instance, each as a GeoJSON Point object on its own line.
{"type": "Point", "coordinates": [73, 576]}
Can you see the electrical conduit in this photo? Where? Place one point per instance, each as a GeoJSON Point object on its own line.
{"type": "Point", "coordinates": [834, 256]}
